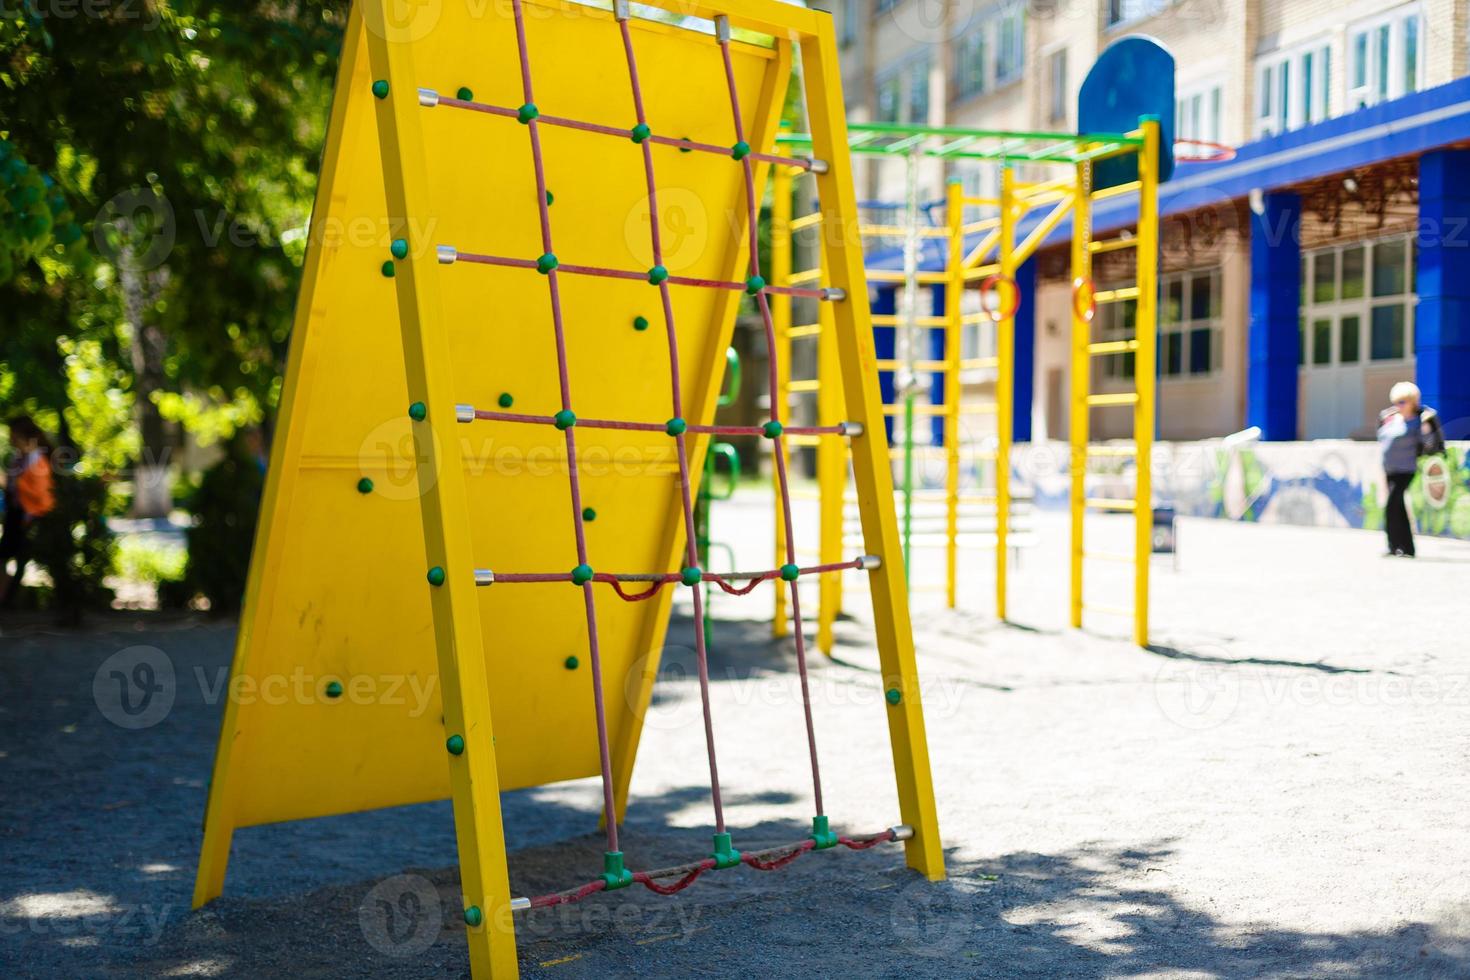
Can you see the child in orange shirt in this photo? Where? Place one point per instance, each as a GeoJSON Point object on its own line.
{"type": "Point", "coordinates": [29, 496]}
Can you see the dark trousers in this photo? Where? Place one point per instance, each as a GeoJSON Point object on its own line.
{"type": "Point", "coordinates": [1396, 517]}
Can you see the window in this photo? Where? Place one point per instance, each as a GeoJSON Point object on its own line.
{"type": "Point", "coordinates": [1117, 321]}
{"type": "Point", "coordinates": [1197, 111]}
{"type": "Point", "coordinates": [992, 52]}
{"type": "Point", "coordinates": [1293, 88]}
{"type": "Point", "coordinates": [847, 22]}
{"type": "Point", "coordinates": [918, 100]}
{"type": "Point", "coordinates": [889, 91]}
{"type": "Point", "coordinates": [1122, 11]}
{"type": "Point", "coordinates": [1385, 56]}
{"type": "Point", "coordinates": [1057, 80]}
{"type": "Point", "coordinates": [1190, 324]}
{"type": "Point", "coordinates": [1367, 290]}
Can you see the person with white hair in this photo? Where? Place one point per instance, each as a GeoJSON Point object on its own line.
{"type": "Point", "coordinates": [1407, 430]}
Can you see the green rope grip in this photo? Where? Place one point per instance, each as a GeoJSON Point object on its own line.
{"type": "Point", "coordinates": [527, 112]}
{"type": "Point", "coordinates": [657, 275]}
{"type": "Point", "coordinates": [473, 916]}
{"type": "Point", "coordinates": [582, 574]}
{"type": "Point", "coordinates": [465, 94]}
{"type": "Point", "coordinates": [436, 576]}
{"type": "Point", "coordinates": [789, 573]}
{"type": "Point", "coordinates": [692, 575]}
{"type": "Point", "coordinates": [676, 427]}
{"type": "Point", "coordinates": [334, 689]}
{"type": "Point", "coordinates": [387, 269]}
{"type": "Point", "coordinates": [418, 411]}
{"type": "Point", "coordinates": [822, 833]}
{"type": "Point", "coordinates": [365, 485]}
{"type": "Point", "coordinates": [740, 150]}
{"type": "Point", "coordinates": [455, 744]}
{"type": "Point", "coordinates": [571, 663]}
{"type": "Point", "coordinates": [565, 419]}
{"type": "Point", "coordinates": [546, 263]}
{"type": "Point", "coordinates": [754, 285]}
{"type": "Point", "coordinates": [399, 248]}
{"type": "Point", "coordinates": [380, 88]}
{"type": "Point", "coordinates": [614, 875]}
{"type": "Point", "coordinates": [725, 856]}
{"type": "Point", "coordinates": [639, 133]}
{"type": "Point", "coordinates": [505, 400]}
{"type": "Point", "coordinates": [640, 323]}
{"type": "Point", "coordinates": [772, 429]}
{"type": "Point", "coordinates": [588, 514]}
{"type": "Point", "coordinates": [893, 695]}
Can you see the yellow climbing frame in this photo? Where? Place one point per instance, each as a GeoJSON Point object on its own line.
{"type": "Point", "coordinates": [368, 644]}
{"type": "Point", "coordinates": [980, 252]}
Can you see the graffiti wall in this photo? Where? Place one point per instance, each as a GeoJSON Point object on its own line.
{"type": "Point", "coordinates": [1327, 483]}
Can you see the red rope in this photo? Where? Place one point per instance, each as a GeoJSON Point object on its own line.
{"type": "Point", "coordinates": [648, 593]}
{"type": "Point", "coordinates": [479, 258]}
{"type": "Point", "coordinates": [646, 880]}
{"type": "Point", "coordinates": [752, 861]}
{"type": "Point", "coordinates": [488, 415]}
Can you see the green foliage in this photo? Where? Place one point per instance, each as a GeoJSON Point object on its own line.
{"type": "Point", "coordinates": [225, 507]}
{"type": "Point", "coordinates": [139, 558]}
{"type": "Point", "coordinates": [35, 217]}
{"type": "Point", "coordinates": [75, 546]}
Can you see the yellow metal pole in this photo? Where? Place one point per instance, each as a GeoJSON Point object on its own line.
{"type": "Point", "coordinates": [444, 505]}
{"type": "Point", "coordinates": [1005, 386]}
{"type": "Point", "coordinates": [1081, 381]}
{"type": "Point", "coordinates": [872, 469]}
{"type": "Point", "coordinates": [831, 473]}
{"type": "Point", "coordinates": [953, 333]}
{"type": "Point", "coordinates": [1143, 369]}
{"type": "Point", "coordinates": [781, 321]}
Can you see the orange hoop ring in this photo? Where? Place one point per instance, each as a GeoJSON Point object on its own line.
{"type": "Point", "coordinates": [1082, 288]}
{"type": "Point", "coordinates": [993, 282]}
{"type": "Point", "coordinates": [1217, 152]}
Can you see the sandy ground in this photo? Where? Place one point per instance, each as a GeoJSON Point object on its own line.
{"type": "Point", "coordinates": [1277, 788]}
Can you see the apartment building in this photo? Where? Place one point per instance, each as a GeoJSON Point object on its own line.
{"type": "Point", "coordinates": [1299, 280]}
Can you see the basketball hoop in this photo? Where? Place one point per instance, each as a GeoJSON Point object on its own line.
{"type": "Point", "coordinates": [1202, 151]}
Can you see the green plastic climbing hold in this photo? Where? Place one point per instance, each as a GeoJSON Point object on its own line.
{"type": "Point", "coordinates": [754, 285]}
{"type": "Point", "coordinates": [473, 916]}
{"type": "Point", "coordinates": [740, 150]}
{"type": "Point", "coordinates": [893, 695]}
{"type": "Point", "coordinates": [676, 427]}
{"type": "Point", "coordinates": [640, 132]}
{"type": "Point", "coordinates": [399, 248]}
{"type": "Point", "coordinates": [657, 274]}
{"type": "Point", "coordinates": [387, 269]}
{"type": "Point", "coordinates": [465, 94]}
{"type": "Point", "coordinates": [505, 400]}
{"type": "Point", "coordinates": [771, 429]}
{"type": "Point", "coordinates": [546, 263]}
{"type": "Point", "coordinates": [550, 199]}
{"type": "Point", "coordinates": [582, 574]}
{"type": "Point", "coordinates": [614, 875]}
{"type": "Point", "coordinates": [455, 744]}
{"type": "Point", "coordinates": [527, 112]}
{"type": "Point", "coordinates": [380, 88]}
{"type": "Point", "coordinates": [565, 419]}
{"type": "Point", "coordinates": [640, 323]}
{"type": "Point", "coordinates": [789, 573]}
{"type": "Point", "coordinates": [418, 411]}
{"type": "Point", "coordinates": [334, 689]}
{"type": "Point", "coordinates": [822, 833]}
{"type": "Point", "coordinates": [436, 576]}
{"type": "Point", "coordinates": [725, 855]}
{"type": "Point", "coordinates": [365, 485]}
{"type": "Point", "coordinates": [588, 514]}
{"type": "Point", "coordinates": [692, 575]}
{"type": "Point", "coordinates": [570, 663]}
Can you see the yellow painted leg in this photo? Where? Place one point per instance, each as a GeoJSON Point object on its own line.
{"type": "Point", "coordinates": [1081, 383]}
{"type": "Point", "coordinates": [953, 293]}
{"type": "Point", "coordinates": [871, 467]}
{"type": "Point", "coordinates": [831, 475]}
{"type": "Point", "coordinates": [781, 323]}
{"type": "Point", "coordinates": [1147, 336]}
{"type": "Point", "coordinates": [1005, 378]}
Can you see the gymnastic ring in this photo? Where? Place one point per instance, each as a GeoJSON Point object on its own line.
{"type": "Point", "coordinates": [1084, 298]}
{"type": "Point", "coordinates": [994, 282]}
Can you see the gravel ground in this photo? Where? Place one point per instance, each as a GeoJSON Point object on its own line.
{"type": "Point", "coordinates": [1277, 788]}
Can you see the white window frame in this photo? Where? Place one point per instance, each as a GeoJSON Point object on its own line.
{"type": "Point", "coordinates": [1360, 306]}
{"type": "Point", "coordinates": [1120, 12]}
{"type": "Point", "coordinates": [1392, 26]}
{"type": "Point", "coordinates": [1058, 90]}
{"type": "Point", "coordinates": [1282, 96]}
{"type": "Point", "coordinates": [1010, 25]}
{"type": "Point", "coordinates": [1186, 325]}
{"type": "Point", "coordinates": [1208, 96]}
